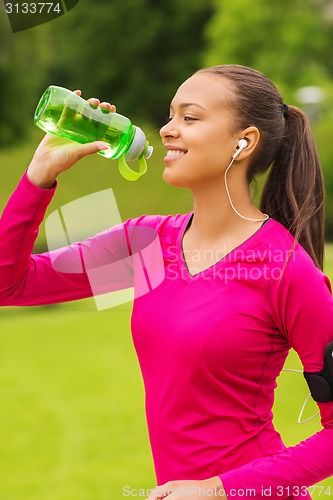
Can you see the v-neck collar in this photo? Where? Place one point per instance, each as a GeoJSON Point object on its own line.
{"type": "Point", "coordinates": [185, 273]}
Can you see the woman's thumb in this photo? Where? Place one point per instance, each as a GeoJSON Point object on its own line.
{"type": "Point", "coordinates": [91, 148]}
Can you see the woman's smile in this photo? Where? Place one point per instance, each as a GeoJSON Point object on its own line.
{"type": "Point", "coordinates": [174, 153]}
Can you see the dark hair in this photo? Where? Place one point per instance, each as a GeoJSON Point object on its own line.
{"type": "Point", "coordinates": [294, 190]}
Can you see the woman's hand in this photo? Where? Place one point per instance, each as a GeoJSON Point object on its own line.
{"type": "Point", "coordinates": [189, 490]}
{"type": "Point", "coordinates": [55, 154]}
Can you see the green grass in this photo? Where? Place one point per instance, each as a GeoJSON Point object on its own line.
{"type": "Point", "coordinates": [72, 424]}
{"type": "Point", "coordinates": [72, 407]}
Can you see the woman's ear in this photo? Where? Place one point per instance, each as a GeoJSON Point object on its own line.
{"type": "Point", "coordinates": [251, 136]}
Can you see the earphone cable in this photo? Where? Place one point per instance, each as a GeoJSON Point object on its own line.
{"type": "Point", "coordinates": [230, 201]}
{"type": "Point", "coordinates": [306, 400]}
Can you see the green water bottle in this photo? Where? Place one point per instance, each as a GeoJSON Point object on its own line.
{"type": "Point", "coordinates": [65, 114]}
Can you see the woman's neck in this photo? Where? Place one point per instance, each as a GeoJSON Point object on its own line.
{"type": "Point", "coordinates": [213, 215]}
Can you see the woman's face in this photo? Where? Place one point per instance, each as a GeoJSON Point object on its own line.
{"type": "Point", "coordinates": [200, 136]}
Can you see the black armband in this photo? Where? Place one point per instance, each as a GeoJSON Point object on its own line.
{"type": "Point", "coordinates": [321, 383]}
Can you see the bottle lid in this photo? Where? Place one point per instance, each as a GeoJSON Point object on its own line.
{"type": "Point", "coordinates": [138, 145]}
{"type": "Point", "coordinates": [148, 152]}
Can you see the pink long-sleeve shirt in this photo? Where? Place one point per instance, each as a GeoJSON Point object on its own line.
{"type": "Point", "coordinates": [210, 346]}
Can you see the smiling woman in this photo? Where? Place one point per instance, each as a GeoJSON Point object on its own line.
{"type": "Point", "coordinates": [240, 286]}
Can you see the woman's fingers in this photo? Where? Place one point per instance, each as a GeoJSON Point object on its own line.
{"type": "Point", "coordinates": [108, 106]}
{"type": "Point", "coordinates": [96, 102]}
{"type": "Point", "coordinates": [105, 105]}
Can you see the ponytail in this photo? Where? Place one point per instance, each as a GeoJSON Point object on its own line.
{"type": "Point", "coordinates": [294, 191]}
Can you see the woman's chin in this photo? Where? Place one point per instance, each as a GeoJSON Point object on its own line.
{"type": "Point", "coordinates": [174, 179]}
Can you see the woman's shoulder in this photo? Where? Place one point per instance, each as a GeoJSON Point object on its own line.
{"type": "Point", "coordinates": [296, 264]}
{"type": "Point", "coordinates": [279, 238]}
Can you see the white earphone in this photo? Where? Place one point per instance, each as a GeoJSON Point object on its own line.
{"type": "Point", "coordinates": [242, 144]}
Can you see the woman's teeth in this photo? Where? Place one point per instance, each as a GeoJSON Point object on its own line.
{"type": "Point", "coordinates": [173, 152]}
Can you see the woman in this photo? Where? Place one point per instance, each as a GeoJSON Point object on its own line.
{"type": "Point", "coordinates": [242, 286]}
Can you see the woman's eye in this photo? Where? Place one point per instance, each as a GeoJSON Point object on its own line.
{"type": "Point", "coordinates": [186, 119]}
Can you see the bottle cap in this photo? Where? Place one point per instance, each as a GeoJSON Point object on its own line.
{"type": "Point", "coordinates": [138, 145]}
{"type": "Point", "coordinates": [148, 152]}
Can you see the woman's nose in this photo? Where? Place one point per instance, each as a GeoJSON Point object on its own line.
{"type": "Point", "coordinates": [169, 130]}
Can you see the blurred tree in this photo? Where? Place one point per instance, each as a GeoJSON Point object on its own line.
{"type": "Point", "coordinates": [323, 132]}
{"type": "Point", "coordinates": [24, 60]}
{"type": "Point", "coordinates": [288, 40]}
{"type": "Point", "coordinates": [133, 53]}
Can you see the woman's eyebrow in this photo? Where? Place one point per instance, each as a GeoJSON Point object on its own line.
{"type": "Point", "coordinates": [187, 104]}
